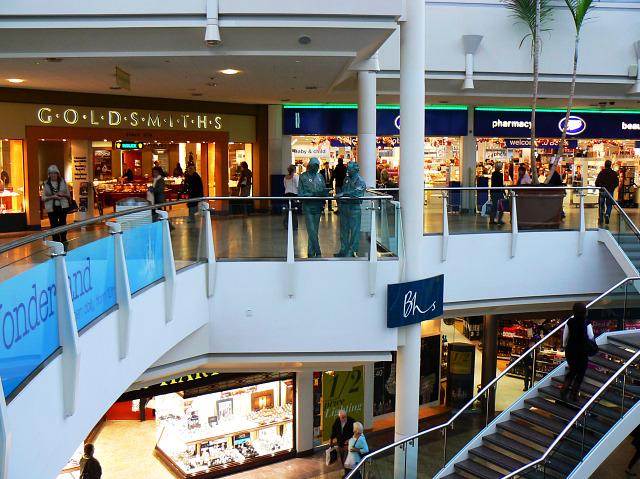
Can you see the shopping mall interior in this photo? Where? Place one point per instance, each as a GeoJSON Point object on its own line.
{"type": "Point", "coordinates": [224, 223]}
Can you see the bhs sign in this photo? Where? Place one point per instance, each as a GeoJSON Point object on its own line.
{"type": "Point", "coordinates": [415, 301]}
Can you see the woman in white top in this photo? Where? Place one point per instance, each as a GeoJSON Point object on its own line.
{"type": "Point", "coordinates": [291, 189]}
{"type": "Point", "coordinates": [55, 196]}
{"type": "Point", "coordinates": [574, 339]}
{"type": "Point", "coordinates": [357, 448]}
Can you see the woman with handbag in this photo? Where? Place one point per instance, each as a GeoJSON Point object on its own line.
{"type": "Point", "coordinates": [576, 336]}
{"type": "Point", "coordinates": [55, 196]}
{"type": "Point", "coordinates": [357, 449]}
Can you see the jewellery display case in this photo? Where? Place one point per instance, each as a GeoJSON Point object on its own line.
{"type": "Point", "coordinates": [208, 435]}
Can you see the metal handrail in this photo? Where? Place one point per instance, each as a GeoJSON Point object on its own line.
{"type": "Point", "coordinates": [582, 411]}
{"type": "Point", "coordinates": [491, 383]}
{"type": "Point", "coordinates": [621, 212]}
{"type": "Point", "coordinates": [98, 219]}
{"type": "Point", "coordinates": [512, 187]}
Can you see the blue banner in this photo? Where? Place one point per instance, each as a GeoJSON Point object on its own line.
{"type": "Point", "coordinates": [344, 121]}
{"type": "Point", "coordinates": [92, 279]}
{"type": "Point", "coordinates": [143, 255]}
{"type": "Point", "coordinates": [415, 301]}
{"type": "Point", "coordinates": [501, 123]}
{"type": "Point", "coordinates": [29, 315]}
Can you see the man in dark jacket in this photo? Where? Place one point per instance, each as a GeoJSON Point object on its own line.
{"type": "Point", "coordinates": [607, 179]}
{"type": "Point", "coordinates": [338, 175]}
{"type": "Point", "coordinates": [497, 180]}
{"type": "Point", "coordinates": [89, 465]}
{"type": "Point", "coordinates": [194, 190]}
{"type": "Point", "coordinates": [326, 174]}
{"type": "Point", "coordinates": [341, 432]}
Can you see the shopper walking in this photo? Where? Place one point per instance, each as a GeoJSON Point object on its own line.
{"type": "Point", "coordinates": [574, 339]}
{"type": "Point", "coordinates": [528, 362]}
{"type": "Point", "coordinates": [291, 181]}
{"type": "Point", "coordinates": [341, 432]}
{"type": "Point", "coordinates": [89, 466]}
{"type": "Point", "coordinates": [635, 442]}
{"type": "Point", "coordinates": [195, 189]}
{"type": "Point", "coordinates": [55, 195]}
{"type": "Point", "coordinates": [244, 184]}
{"type": "Point", "coordinates": [497, 180]}
{"type": "Point", "coordinates": [357, 449]}
{"type": "Point", "coordinates": [607, 179]}
{"type": "Point", "coordinates": [337, 177]}
{"type": "Point", "coordinates": [157, 190]}
{"type": "Point", "coordinates": [326, 174]}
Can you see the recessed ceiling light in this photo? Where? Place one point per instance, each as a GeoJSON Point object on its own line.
{"type": "Point", "coordinates": [53, 59]}
{"type": "Point", "coordinates": [304, 40]}
{"type": "Point", "coordinates": [196, 94]}
{"type": "Point", "coordinates": [229, 71]}
{"type": "Point", "coordinates": [116, 87]}
{"type": "Point", "coordinates": [311, 88]}
{"type": "Point", "coordinates": [297, 61]}
{"type": "Point", "coordinates": [15, 80]}
{"type": "Point", "coordinates": [211, 84]}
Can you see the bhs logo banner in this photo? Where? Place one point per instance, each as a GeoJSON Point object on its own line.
{"type": "Point", "coordinates": [415, 301]}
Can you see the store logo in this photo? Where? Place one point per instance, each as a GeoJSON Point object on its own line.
{"type": "Point", "coordinates": [576, 125]}
{"type": "Point", "coordinates": [397, 122]}
{"type": "Point", "coordinates": [510, 124]}
{"type": "Point", "coordinates": [630, 126]}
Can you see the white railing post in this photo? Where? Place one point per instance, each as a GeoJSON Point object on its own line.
{"type": "Point", "coordinates": [207, 246]}
{"type": "Point", "coordinates": [581, 234]}
{"type": "Point", "coordinates": [67, 330]}
{"type": "Point", "coordinates": [5, 436]}
{"type": "Point", "coordinates": [290, 251]}
{"type": "Point", "coordinates": [514, 223]}
{"type": "Point", "coordinates": [401, 252]}
{"type": "Point", "coordinates": [445, 225]}
{"type": "Point", "coordinates": [169, 265]}
{"type": "Point", "coordinates": [123, 290]}
{"type": "Point", "coordinates": [384, 224]}
{"type": "Point", "coordinates": [373, 251]}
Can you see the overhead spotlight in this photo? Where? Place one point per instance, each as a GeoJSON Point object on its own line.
{"type": "Point", "coordinates": [635, 89]}
{"type": "Point", "coordinates": [471, 43]}
{"type": "Point", "coordinates": [304, 40]}
{"type": "Point", "coordinates": [212, 33]}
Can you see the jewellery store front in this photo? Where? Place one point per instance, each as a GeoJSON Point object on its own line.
{"type": "Point", "coordinates": [210, 424]}
{"type": "Point", "coordinates": [330, 133]}
{"type": "Point", "coordinates": [106, 154]}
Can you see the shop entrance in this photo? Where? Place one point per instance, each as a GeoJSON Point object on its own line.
{"type": "Point", "coordinates": [94, 162]}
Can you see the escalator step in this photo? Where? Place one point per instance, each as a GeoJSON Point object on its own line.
{"type": "Point", "coordinates": [491, 455]}
{"type": "Point", "coordinates": [477, 470]}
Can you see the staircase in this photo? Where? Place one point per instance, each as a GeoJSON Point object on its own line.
{"type": "Point", "coordinates": [630, 244]}
{"type": "Point", "coordinates": [525, 431]}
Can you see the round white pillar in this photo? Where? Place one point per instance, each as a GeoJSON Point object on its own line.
{"type": "Point", "coordinates": [412, 91]}
{"type": "Point", "coordinates": [367, 126]}
{"type": "Point", "coordinates": [304, 413]}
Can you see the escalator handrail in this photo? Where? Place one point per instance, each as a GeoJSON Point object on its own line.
{"type": "Point", "coordinates": [579, 414]}
{"type": "Point", "coordinates": [491, 383]}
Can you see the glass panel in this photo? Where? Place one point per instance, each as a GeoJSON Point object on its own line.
{"type": "Point", "coordinates": [185, 236]}
{"type": "Point", "coordinates": [92, 279]}
{"type": "Point", "coordinates": [143, 255]}
{"type": "Point", "coordinates": [390, 464]}
{"type": "Point", "coordinates": [326, 235]}
{"type": "Point", "coordinates": [78, 237]}
{"type": "Point", "coordinates": [386, 228]}
{"type": "Point", "coordinates": [29, 323]}
{"type": "Point", "coordinates": [432, 211]}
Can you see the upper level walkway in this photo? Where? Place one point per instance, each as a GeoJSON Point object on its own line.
{"type": "Point", "coordinates": [117, 310]}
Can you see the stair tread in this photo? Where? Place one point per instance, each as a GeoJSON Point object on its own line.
{"type": "Point", "coordinates": [477, 469]}
{"type": "Point", "coordinates": [525, 432]}
{"type": "Point", "coordinates": [512, 445]}
{"type": "Point", "coordinates": [454, 475]}
{"type": "Point", "coordinates": [597, 409]}
{"type": "Point", "coordinates": [590, 390]}
{"type": "Point", "coordinates": [617, 351]}
{"type": "Point", "coordinates": [496, 457]}
{"type": "Point", "coordinates": [553, 425]}
{"type": "Point", "coordinates": [552, 408]}
{"type": "Point", "coordinates": [602, 377]}
{"type": "Point", "coordinates": [630, 339]}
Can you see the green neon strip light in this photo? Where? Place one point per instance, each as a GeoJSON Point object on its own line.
{"type": "Point", "coordinates": [558, 110]}
{"type": "Point", "coordinates": [350, 106]}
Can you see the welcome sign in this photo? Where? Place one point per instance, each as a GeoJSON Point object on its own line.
{"type": "Point", "coordinates": [415, 301]}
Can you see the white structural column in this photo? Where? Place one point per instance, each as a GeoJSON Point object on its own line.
{"type": "Point", "coordinates": [304, 412]}
{"type": "Point", "coordinates": [279, 144]}
{"type": "Point", "coordinates": [367, 126]}
{"type": "Point", "coordinates": [412, 90]}
{"type": "Point", "coordinates": [469, 155]}
{"type": "Point", "coordinates": [367, 409]}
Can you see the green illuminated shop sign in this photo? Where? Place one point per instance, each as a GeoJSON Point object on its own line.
{"type": "Point", "coordinates": [129, 145]}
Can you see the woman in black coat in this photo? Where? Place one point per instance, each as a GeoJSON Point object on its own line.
{"type": "Point", "coordinates": [574, 340]}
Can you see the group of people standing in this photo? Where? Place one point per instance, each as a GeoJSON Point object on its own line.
{"type": "Point", "coordinates": [316, 183]}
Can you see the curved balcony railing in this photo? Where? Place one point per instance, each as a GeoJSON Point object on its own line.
{"type": "Point", "coordinates": [430, 450]}
{"type": "Point", "coordinates": [103, 263]}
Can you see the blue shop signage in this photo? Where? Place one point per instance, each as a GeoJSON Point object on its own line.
{"type": "Point", "coordinates": [339, 120]}
{"type": "Point", "coordinates": [503, 123]}
{"type": "Point", "coordinates": [415, 301]}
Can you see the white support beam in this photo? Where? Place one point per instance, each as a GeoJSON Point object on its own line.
{"type": "Point", "coordinates": [123, 290]}
{"type": "Point", "coordinates": [206, 246]}
{"type": "Point", "coordinates": [373, 251]}
{"type": "Point", "coordinates": [169, 265]}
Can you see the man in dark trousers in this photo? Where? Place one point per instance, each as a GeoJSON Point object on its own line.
{"type": "Point", "coordinates": [341, 432]}
{"type": "Point", "coordinates": [194, 190]}
{"type": "Point", "coordinates": [326, 175]}
{"type": "Point", "coordinates": [338, 175]}
{"type": "Point", "coordinates": [607, 179]}
{"type": "Point", "coordinates": [89, 465]}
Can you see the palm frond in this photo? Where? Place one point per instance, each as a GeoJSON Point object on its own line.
{"type": "Point", "coordinates": [580, 10]}
{"type": "Point", "coordinates": [524, 11]}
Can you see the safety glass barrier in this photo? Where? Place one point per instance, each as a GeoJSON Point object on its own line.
{"type": "Point", "coordinates": [185, 225]}
{"type": "Point", "coordinates": [532, 355]}
{"type": "Point", "coordinates": [29, 316]}
{"type": "Point", "coordinates": [464, 210]}
{"type": "Point", "coordinates": [312, 227]}
{"type": "Point", "coordinates": [143, 253]}
{"type": "Point", "coordinates": [390, 464]}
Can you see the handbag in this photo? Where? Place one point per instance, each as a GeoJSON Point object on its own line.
{"type": "Point", "coordinates": [350, 461]}
{"type": "Point", "coordinates": [331, 456]}
{"type": "Point", "coordinates": [73, 206]}
{"type": "Point", "coordinates": [592, 347]}
{"type": "Point", "coordinates": [486, 208]}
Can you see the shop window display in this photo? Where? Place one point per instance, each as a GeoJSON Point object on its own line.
{"type": "Point", "coordinates": [11, 176]}
{"type": "Point", "coordinates": [206, 433]}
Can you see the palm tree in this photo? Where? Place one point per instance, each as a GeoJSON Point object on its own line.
{"type": "Point", "coordinates": [579, 10]}
{"type": "Point", "coordinates": [534, 14]}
